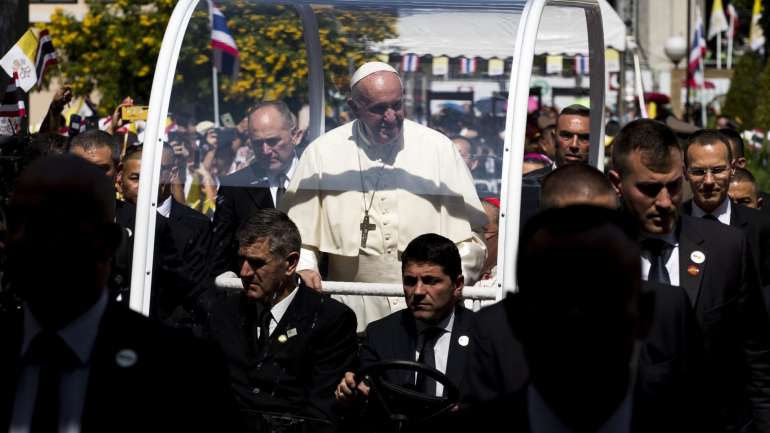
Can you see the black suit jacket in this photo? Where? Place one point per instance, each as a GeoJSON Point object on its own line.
{"type": "Point", "coordinates": [756, 227]}
{"type": "Point", "coordinates": [668, 364]}
{"type": "Point", "coordinates": [240, 195]}
{"type": "Point", "coordinates": [305, 357]}
{"type": "Point", "coordinates": [394, 337]}
{"type": "Point", "coordinates": [177, 384]}
{"type": "Point", "coordinates": [181, 247]}
{"type": "Point", "coordinates": [724, 291]}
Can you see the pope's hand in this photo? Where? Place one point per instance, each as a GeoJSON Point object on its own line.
{"type": "Point", "coordinates": [311, 279]}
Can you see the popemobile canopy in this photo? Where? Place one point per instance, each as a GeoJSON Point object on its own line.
{"type": "Point", "coordinates": [489, 34]}
{"type": "Point", "coordinates": [504, 29]}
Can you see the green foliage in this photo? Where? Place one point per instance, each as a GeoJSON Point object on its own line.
{"type": "Point", "coordinates": [115, 47]}
{"type": "Point", "coordinates": [742, 98]}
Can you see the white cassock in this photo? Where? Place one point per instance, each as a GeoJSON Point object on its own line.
{"type": "Point", "coordinates": [417, 185]}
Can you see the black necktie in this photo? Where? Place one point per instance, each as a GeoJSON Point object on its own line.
{"type": "Point", "coordinates": [428, 357]}
{"type": "Point", "coordinates": [657, 249]}
{"type": "Point", "coordinates": [710, 217]}
{"type": "Point", "coordinates": [264, 328]}
{"type": "Point", "coordinates": [281, 181]}
{"type": "Point", "coordinates": [54, 357]}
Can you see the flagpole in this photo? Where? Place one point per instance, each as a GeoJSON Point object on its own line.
{"type": "Point", "coordinates": [730, 43]}
{"type": "Point", "coordinates": [215, 91]}
{"type": "Point", "coordinates": [702, 91]}
{"type": "Point", "coordinates": [687, 80]}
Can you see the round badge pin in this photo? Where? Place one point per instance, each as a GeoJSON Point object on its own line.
{"type": "Point", "coordinates": [282, 338]}
{"type": "Point", "coordinates": [693, 270]}
{"type": "Point", "coordinates": [126, 358]}
{"type": "Point", "coordinates": [697, 257]}
{"type": "Point", "coordinates": [463, 340]}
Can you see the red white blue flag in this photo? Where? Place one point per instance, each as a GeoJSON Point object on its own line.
{"type": "Point", "coordinates": [13, 101]}
{"type": "Point", "coordinates": [46, 55]}
{"type": "Point", "coordinates": [467, 66]}
{"type": "Point", "coordinates": [581, 65]}
{"type": "Point", "coordinates": [226, 55]}
{"type": "Point", "coordinates": [410, 63]}
{"type": "Point", "coordinates": [697, 54]}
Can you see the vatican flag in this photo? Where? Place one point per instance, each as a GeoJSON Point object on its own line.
{"type": "Point", "coordinates": [21, 60]}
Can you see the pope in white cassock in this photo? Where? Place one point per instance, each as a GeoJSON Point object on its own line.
{"type": "Point", "coordinates": [364, 190]}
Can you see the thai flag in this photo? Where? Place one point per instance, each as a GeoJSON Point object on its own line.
{"type": "Point", "coordinates": [732, 18]}
{"type": "Point", "coordinates": [581, 65]}
{"type": "Point", "coordinates": [13, 101]}
{"type": "Point", "coordinates": [697, 54]}
{"type": "Point", "coordinates": [410, 63]}
{"type": "Point", "coordinates": [467, 66]}
{"type": "Point", "coordinates": [226, 55]}
{"type": "Point", "coordinates": [46, 55]}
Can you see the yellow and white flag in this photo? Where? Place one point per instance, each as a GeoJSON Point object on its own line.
{"type": "Point", "coordinates": [21, 59]}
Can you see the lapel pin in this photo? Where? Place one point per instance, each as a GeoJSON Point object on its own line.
{"type": "Point", "coordinates": [126, 358]}
{"type": "Point", "coordinates": [282, 338]}
{"type": "Point", "coordinates": [697, 257]}
{"type": "Point", "coordinates": [291, 332]}
{"type": "Point", "coordinates": [463, 340]}
{"type": "Point", "coordinates": [693, 270]}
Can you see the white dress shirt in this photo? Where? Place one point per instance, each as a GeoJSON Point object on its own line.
{"type": "Point", "coordinates": [165, 207]}
{"type": "Point", "coordinates": [278, 310]}
{"type": "Point", "coordinates": [79, 336]}
{"type": "Point", "coordinates": [672, 262]}
{"type": "Point", "coordinates": [440, 347]}
{"type": "Point", "coordinates": [275, 184]}
{"type": "Point", "coordinates": [723, 212]}
{"type": "Point", "coordinates": [542, 419]}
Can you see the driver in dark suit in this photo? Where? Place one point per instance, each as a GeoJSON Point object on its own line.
{"type": "Point", "coordinates": [433, 330]}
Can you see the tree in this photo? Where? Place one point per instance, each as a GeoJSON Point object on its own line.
{"type": "Point", "coordinates": [742, 98]}
{"type": "Point", "coordinates": [116, 46]}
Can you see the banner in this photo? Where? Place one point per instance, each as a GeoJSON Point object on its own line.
{"type": "Point", "coordinates": [553, 65]}
{"type": "Point", "coordinates": [496, 67]}
{"type": "Point", "coordinates": [20, 59]}
{"type": "Point", "coordinates": [440, 65]}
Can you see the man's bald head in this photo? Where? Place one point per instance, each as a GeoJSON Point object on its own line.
{"type": "Point", "coordinates": [61, 221]}
{"type": "Point", "coordinates": [577, 184]}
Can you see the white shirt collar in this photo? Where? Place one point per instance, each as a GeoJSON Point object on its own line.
{"type": "Point", "coordinates": [722, 212]}
{"type": "Point", "coordinates": [446, 323]}
{"type": "Point", "coordinates": [165, 207]}
{"type": "Point", "coordinates": [273, 179]}
{"type": "Point", "coordinates": [280, 308]}
{"type": "Point", "coordinates": [79, 335]}
{"type": "Point", "coordinates": [542, 419]}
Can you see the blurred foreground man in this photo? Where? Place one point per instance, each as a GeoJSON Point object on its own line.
{"type": "Point", "coordinates": [286, 345]}
{"type": "Point", "coordinates": [72, 361]}
{"type": "Point", "coordinates": [364, 190]}
{"type": "Point", "coordinates": [712, 263]}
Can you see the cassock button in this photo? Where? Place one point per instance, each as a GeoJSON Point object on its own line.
{"type": "Point", "coordinates": [693, 270]}
{"type": "Point", "coordinates": [126, 358]}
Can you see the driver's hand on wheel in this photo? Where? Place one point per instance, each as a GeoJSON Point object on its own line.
{"type": "Point", "coordinates": [347, 391]}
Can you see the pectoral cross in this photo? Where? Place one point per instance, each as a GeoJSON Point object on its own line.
{"type": "Point", "coordinates": [365, 227]}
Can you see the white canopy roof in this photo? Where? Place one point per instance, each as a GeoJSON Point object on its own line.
{"type": "Point", "coordinates": [459, 33]}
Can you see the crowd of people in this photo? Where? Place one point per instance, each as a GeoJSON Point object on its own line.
{"type": "Point", "coordinates": [642, 302]}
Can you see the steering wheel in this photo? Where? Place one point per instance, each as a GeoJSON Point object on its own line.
{"type": "Point", "coordinates": [402, 404]}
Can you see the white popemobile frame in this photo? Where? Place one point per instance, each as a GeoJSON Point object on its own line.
{"type": "Point", "coordinates": [515, 125]}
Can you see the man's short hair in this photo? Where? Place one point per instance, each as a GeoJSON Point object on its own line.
{"type": "Point", "coordinates": [436, 249]}
{"type": "Point", "coordinates": [743, 175]}
{"type": "Point", "coordinates": [289, 119]}
{"type": "Point", "coordinates": [576, 110]}
{"type": "Point", "coordinates": [736, 141]}
{"type": "Point", "coordinates": [96, 139]}
{"type": "Point", "coordinates": [648, 136]}
{"type": "Point", "coordinates": [573, 180]}
{"type": "Point", "coordinates": [275, 226]}
{"type": "Point", "coordinates": [708, 137]}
